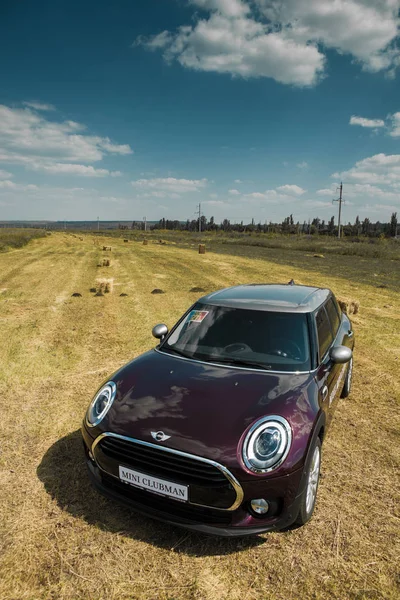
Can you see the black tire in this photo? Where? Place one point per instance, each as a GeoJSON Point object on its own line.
{"type": "Point", "coordinates": [347, 382]}
{"type": "Point", "coordinates": [309, 496]}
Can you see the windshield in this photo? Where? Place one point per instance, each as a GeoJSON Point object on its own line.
{"type": "Point", "coordinates": [259, 339]}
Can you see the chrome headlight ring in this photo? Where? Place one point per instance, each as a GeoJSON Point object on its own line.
{"type": "Point", "coordinates": [101, 404]}
{"type": "Point", "coordinates": [267, 444]}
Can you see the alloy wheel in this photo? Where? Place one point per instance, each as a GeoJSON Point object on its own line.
{"type": "Point", "coordinates": [313, 477]}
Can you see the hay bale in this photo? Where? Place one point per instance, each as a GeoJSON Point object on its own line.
{"type": "Point", "coordinates": [197, 289]}
{"type": "Point", "coordinates": [202, 248]}
{"type": "Point", "coordinates": [76, 295]}
{"type": "Point", "coordinates": [354, 307]}
{"type": "Point", "coordinates": [99, 293]}
{"type": "Point", "coordinates": [106, 248]}
{"type": "Point", "coordinates": [106, 289]}
{"type": "Point", "coordinates": [318, 256]}
{"type": "Point", "coordinates": [350, 307]}
{"type": "Point", "coordinates": [123, 295]}
{"type": "Point", "coordinates": [145, 242]}
{"type": "Point", "coordinates": [106, 262]}
{"type": "Point", "coordinates": [126, 241]}
{"type": "Point", "coordinates": [93, 290]}
{"type": "Point", "coordinates": [158, 291]}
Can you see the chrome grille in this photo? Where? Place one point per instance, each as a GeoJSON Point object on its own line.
{"type": "Point", "coordinates": [210, 483]}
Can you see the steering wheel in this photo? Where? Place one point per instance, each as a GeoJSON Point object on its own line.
{"type": "Point", "coordinates": [237, 347]}
{"type": "Point", "coordinates": [293, 351]}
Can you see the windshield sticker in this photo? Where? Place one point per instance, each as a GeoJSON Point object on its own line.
{"type": "Point", "coordinates": [197, 316]}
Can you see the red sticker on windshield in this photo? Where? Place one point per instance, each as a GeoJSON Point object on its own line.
{"type": "Point", "coordinates": [197, 316]}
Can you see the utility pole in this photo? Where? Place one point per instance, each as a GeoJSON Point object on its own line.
{"type": "Point", "coordinates": [340, 200]}
{"type": "Point", "coordinates": [199, 217]}
{"type": "Point", "coordinates": [145, 223]}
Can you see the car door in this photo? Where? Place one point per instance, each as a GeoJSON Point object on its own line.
{"type": "Point", "coordinates": [328, 373]}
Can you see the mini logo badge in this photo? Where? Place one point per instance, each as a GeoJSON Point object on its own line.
{"type": "Point", "coordinates": [159, 436]}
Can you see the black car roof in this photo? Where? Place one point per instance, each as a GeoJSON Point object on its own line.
{"type": "Point", "coordinates": [269, 297]}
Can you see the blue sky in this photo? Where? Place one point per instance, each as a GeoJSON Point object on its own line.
{"type": "Point", "coordinates": [257, 109]}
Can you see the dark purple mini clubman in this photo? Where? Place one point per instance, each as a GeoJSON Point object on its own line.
{"type": "Point", "coordinates": [220, 427]}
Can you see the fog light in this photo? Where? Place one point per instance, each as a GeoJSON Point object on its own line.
{"type": "Point", "coordinates": [260, 506]}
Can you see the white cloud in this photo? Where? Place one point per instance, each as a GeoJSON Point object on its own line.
{"type": "Point", "coordinates": [284, 193]}
{"type": "Point", "coordinates": [161, 187]}
{"type": "Point", "coordinates": [373, 191]}
{"type": "Point", "coordinates": [238, 181]}
{"type": "Point", "coordinates": [74, 169]}
{"type": "Point", "coordinates": [292, 190]}
{"type": "Point", "coordinates": [325, 192]}
{"type": "Point", "coordinates": [283, 39]}
{"type": "Point", "coordinates": [378, 169]}
{"type": "Point", "coordinates": [11, 185]}
{"type": "Point", "coordinates": [363, 122]}
{"type": "Point", "coordinates": [395, 129]}
{"type": "Point", "coordinates": [302, 165]}
{"type": "Point", "coordinates": [318, 204]}
{"type": "Point", "coordinates": [232, 41]}
{"type": "Point", "coordinates": [27, 138]}
{"type": "Point", "coordinates": [217, 203]}
{"type": "Point", "coordinates": [5, 174]}
{"type": "Point", "coordinates": [234, 192]}
{"type": "Point", "coordinates": [376, 177]}
{"type": "Point", "coordinates": [40, 106]}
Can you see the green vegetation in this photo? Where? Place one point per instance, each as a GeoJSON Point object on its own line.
{"type": "Point", "coordinates": [17, 238]}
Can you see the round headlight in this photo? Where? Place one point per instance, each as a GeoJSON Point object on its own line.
{"type": "Point", "coordinates": [101, 403]}
{"type": "Point", "coordinates": [267, 444]}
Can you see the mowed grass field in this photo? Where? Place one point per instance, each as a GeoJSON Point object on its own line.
{"type": "Point", "coordinates": [59, 539]}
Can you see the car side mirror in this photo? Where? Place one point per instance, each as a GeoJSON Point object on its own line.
{"type": "Point", "coordinates": [160, 331]}
{"type": "Point", "coordinates": [340, 354]}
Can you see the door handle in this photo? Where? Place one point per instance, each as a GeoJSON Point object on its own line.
{"type": "Point", "coordinates": [324, 392]}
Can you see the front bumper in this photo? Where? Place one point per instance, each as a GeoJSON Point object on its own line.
{"type": "Point", "coordinates": [283, 493]}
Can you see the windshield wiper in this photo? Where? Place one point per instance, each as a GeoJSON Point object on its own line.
{"type": "Point", "coordinates": [239, 362]}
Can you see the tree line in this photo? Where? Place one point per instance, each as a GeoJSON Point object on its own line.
{"type": "Point", "coordinates": [287, 226]}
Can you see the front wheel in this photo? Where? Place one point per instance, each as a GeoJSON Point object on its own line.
{"type": "Point", "coordinates": [309, 496]}
{"type": "Point", "coordinates": [347, 384]}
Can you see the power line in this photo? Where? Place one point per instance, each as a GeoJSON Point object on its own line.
{"type": "Point", "coordinates": [340, 200]}
{"type": "Point", "coordinates": [200, 215]}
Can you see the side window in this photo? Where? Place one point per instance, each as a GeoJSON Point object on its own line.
{"type": "Point", "coordinates": [333, 315]}
{"type": "Point", "coordinates": [324, 331]}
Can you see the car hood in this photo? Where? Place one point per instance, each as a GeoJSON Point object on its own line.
{"type": "Point", "coordinates": [206, 408]}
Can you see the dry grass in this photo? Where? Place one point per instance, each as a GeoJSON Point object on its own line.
{"type": "Point", "coordinates": [60, 540]}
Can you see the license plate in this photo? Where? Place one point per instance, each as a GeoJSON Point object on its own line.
{"type": "Point", "coordinates": [154, 484]}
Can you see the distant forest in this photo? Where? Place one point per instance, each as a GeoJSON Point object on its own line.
{"type": "Point", "coordinates": [288, 226]}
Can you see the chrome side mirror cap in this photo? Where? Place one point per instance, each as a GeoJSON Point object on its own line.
{"type": "Point", "coordinates": [340, 354]}
{"type": "Point", "coordinates": [159, 331]}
